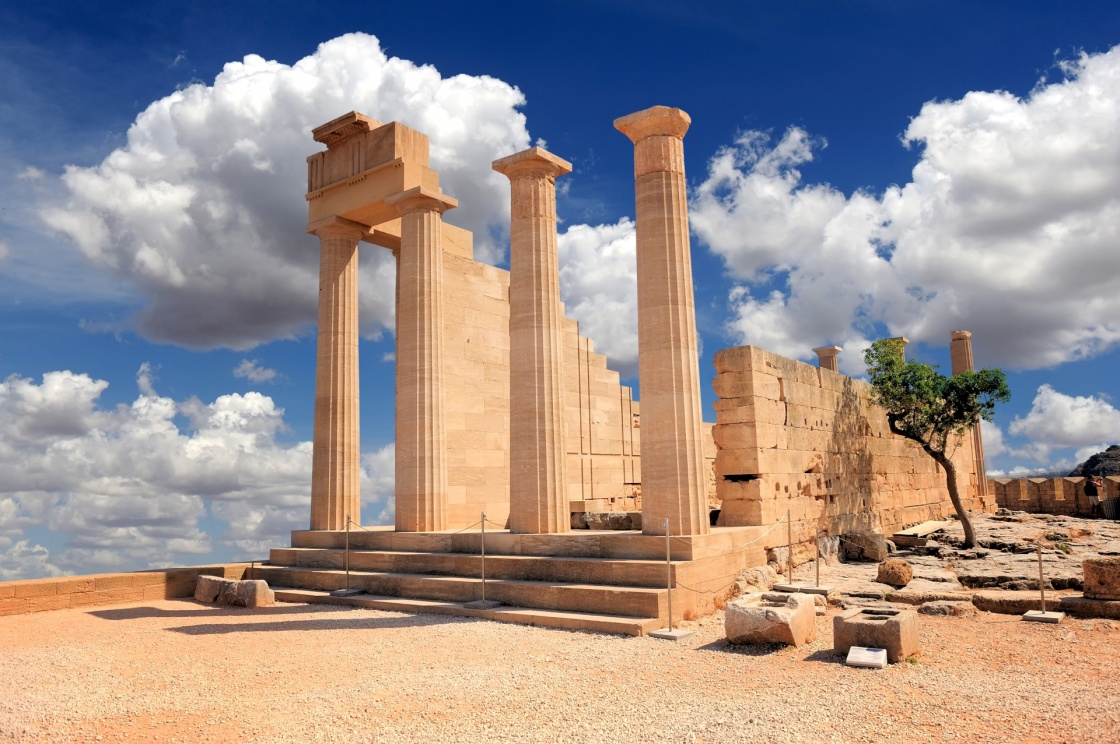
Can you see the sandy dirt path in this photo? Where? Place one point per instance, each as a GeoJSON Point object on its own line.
{"type": "Point", "coordinates": [185, 672]}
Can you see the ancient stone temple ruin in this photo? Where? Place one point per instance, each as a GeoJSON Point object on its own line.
{"type": "Point", "coordinates": [503, 408]}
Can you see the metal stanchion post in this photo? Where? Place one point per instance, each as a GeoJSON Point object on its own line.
{"type": "Point", "coordinates": [789, 546]}
{"type": "Point", "coordinates": [1042, 616]}
{"type": "Point", "coordinates": [669, 573]}
{"type": "Point", "coordinates": [817, 563]}
{"type": "Point", "coordinates": [483, 603]}
{"type": "Point", "coordinates": [347, 592]}
{"type": "Point", "coordinates": [669, 633]}
{"type": "Point", "coordinates": [1041, 580]}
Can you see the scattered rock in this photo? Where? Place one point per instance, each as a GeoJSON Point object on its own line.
{"type": "Point", "coordinates": [953, 609]}
{"type": "Point", "coordinates": [895, 572]}
{"type": "Point", "coordinates": [771, 618]}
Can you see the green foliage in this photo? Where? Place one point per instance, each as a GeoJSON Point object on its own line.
{"type": "Point", "coordinates": [926, 406]}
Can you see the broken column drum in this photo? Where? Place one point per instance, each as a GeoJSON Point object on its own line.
{"type": "Point", "coordinates": [537, 452]}
{"type": "Point", "coordinates": [673, 478]}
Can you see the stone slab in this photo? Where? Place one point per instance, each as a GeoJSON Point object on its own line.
{"type": "Point", "coordinates": [671, 635]}
{"type": "Point", "coordinates": [870, 658]}
{"type": "Point", "coordinates": [804, 589]}
{"type": "Point", "coordinates": [1079, 606]}
{"type": "Point", "coordinates": [483, 604]}
{"type": "Point", "coordinates": [1038, 616]}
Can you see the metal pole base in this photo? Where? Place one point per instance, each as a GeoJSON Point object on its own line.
{"type": "Point", "coordinates": [346, 592]}
{"type": "Point", "coordinates": [1038, 616]}
{"type": "Point", "coordinates": [483, 604]}
{"type": "Point", "coordinates": [671, 635]}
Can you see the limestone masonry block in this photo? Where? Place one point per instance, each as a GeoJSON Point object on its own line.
{"type": "Point", "coordinates": [233, 592]}
{"type": "Point", "coordinates": [767, 617]}
{"type": "Point", "coordinates": [1102, 577]}
{"type": "Point", "coordinates": [894, 630]}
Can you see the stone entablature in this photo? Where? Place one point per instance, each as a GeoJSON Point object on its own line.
{"type": "Point", "coordinates": [793, 436]}
{"type": "Point", "coordinates": [1049, 495]}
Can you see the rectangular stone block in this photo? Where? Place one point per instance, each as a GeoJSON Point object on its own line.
{"type": "Point", "coordinates": [894, 630]}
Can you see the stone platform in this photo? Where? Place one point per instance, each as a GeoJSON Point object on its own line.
{"type": "Point", "coordinates": [610, 580]}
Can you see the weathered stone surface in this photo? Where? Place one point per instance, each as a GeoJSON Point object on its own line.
{"type": "Point", "coordinates": [1010, 602]}
{"type": "Point", "coordinates": [607, 520]}
{"type": "Point", "coordinates": [912, 597]}
{"type": "Point", "coordinates": [954, 609]}
{"type": "Point", "coordinates": [1102, 577]}
{"type": "Point", "coordinates": [895, 572]}
{"type": "Point", "coordinates": [235, 593]}
{"type": "Point", "coordinates": [771, 618]}
{"type": "Point", "coordinates": [864, 546]}
{"type": "Point", "coordinates": [208, 588]}
{"type": "Point", "coordinates": [753, 580]}
{"type": "Point", "coordinates": [1084, 607]}
{"type": "Point", "coordinates": [894, 630]}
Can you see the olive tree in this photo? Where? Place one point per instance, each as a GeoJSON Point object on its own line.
{"type": "Point", "coordinates": [933, 410]}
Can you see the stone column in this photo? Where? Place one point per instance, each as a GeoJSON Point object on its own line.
{"type": "Point", "coordinates": [674, 483]}
{"type": "Point", "coordinates": [960, 353]}
{"type": "Point", "coordinates": [905, 342]}
{"type": "Point", "coordinates": [335, 448]}
{"type": "Point", "coordinates": [828, 357]}
{"type": "Point", "coordinates": [421, 437]}
{"type": "Point", "coordinates": [538, 481]}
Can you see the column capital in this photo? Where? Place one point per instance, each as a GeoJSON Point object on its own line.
{"type": "Point", "coordinates": [827, 351]}
{"type": "Point", "coordinates": [536, 162]}
{"type": "Point", "coordinates": [338, 227]}
{"type": "Point", "coordinates": [421, 199]}
{"type": "Point", "coordinates": [658, 121]}
{"type": "Point", "coordinates": [961, 335]}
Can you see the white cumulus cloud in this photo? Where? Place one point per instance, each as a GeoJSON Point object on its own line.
{"type": "Point", "coordinates": [203, 210]}
{"type": "Point", "coordinates": [1058, 420]}
{"type": "Point", "coordinates": [1008, 228]}
{"type": "Point", "coordinates": [598, 284]}
{"type": "Point", "coordinates": [252, 370]}
{"type": "Point", "coordinates": [128, 487]}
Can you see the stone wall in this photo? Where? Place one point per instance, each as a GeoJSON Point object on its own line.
{"type": "Point", "coordinates": [602, 419]}
{"type": "Point", "coordinates": [793, 436]}
{"type": "Point", "coordinates": [1049, 495]}
{"type": "Point", "coordinates": [73, 592]}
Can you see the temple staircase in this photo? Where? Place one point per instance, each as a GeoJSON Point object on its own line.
{"type": "Point", "coordinates": [607, 581]}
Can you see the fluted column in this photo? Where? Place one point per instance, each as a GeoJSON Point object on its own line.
{"type": "Point", "coordinates": [421, 436]}
{"type": "Point", "coordinates": [537, 453]}
{"type": "Point", "coordinates": [335, 447]}
{"type": "Point", "coordinates": [673, 479]}
{"type": "Point", "coordinates": [828, 357]}
{"type": "Point", "coordinates": [960, 353]}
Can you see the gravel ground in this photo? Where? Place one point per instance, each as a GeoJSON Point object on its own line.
{"type": "Point", "coordinates": [181, 671]}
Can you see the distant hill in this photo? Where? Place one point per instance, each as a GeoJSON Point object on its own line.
{"type": "Point", "coordinates": [1102, 464]}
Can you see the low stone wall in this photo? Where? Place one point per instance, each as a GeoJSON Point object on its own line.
{"type": "Point", "coordinates": [1049, 495]}
{"type": "Point", "coordinates": [70, 592]}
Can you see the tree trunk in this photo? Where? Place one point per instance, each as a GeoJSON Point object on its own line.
{"type": "Point", "coordinates": [954, 495]}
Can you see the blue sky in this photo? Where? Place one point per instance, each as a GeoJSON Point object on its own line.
{"type": "Point", "coordinates": [856, 170]}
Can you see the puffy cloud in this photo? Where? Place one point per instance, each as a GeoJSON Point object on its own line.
{"type": "Point", "coordinates": [126, 488]}
{"type": "Point", "coordinates": [598, 284]}
{"type": "Point", "coordinates": [203, 211]}
{"type": "Point", "coordinates": [1058, 420]}
{"type": "Point", "coordinates": [1008, 228]}
{"type": "Point", "coordinates": [254, 372]}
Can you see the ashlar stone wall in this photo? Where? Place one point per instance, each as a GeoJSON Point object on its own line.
{"type": "Point", "coordinates": [793, 436]}
{"type": "Point", "coordinates": [1049, 495]}
{"type": "Point", "coordinates": [602, 419]}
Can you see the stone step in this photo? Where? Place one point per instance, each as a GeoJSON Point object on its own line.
{"type": "Point", "coordinates": [598, 622]}
{"type": "Point", "coordinates": [640, 602]}
{"type": "Point", "coordinates": [616, 572]}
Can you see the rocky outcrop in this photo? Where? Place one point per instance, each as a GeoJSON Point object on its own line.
{"type": "Point", "coordinates": [1102, 577]}
{"type": "Point", "coordinates": [1102, 464]}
